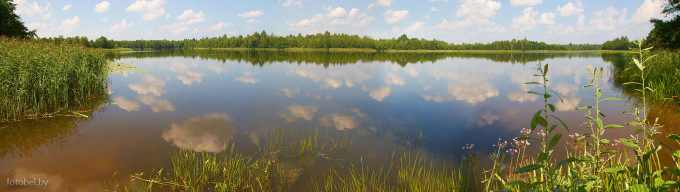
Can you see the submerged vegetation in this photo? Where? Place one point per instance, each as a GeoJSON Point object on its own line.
{"type": "Point", "coordinates": [42, 78]}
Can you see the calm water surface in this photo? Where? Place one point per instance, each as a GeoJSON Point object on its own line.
{"type": "Point", "coordinates": [206, 100]}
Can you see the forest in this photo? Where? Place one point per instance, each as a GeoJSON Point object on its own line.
{"type": "Point", "coordinates": [319, 41]}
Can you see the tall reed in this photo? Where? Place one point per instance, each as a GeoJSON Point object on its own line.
{"type": "Point", "coordinates": [39, 78]}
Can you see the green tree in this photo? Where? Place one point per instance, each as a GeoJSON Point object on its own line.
{"type": "Point", "coordinates": [10, 23]}
{"type": "Point", "coordinates": [665, 34]}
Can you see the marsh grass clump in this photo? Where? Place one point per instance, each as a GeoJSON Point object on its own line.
{"type": "Point", "coordinates": [663, 75]}
{"type": "Point", "coordinates": [40, 78]}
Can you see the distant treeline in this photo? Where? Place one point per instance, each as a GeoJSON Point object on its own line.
{"type": "Point", "coordinates": [332, 58]}
{"type": "Point", "coordinates": [320, 41]}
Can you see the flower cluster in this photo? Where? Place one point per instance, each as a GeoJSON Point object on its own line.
{"type": "Point", "coordinates": [525, 132]}
{"type": "Point", "coordinates": [512, 152]}
{"type": "Point", "coordinates": [469, 146]}
{"type": "Point", "coordinates": [541, 133]}
{"type": "Point", "coordinates": [615, 143]}
{"type": "Point", "coordinates": [500, 145]}
{"type": "Point", "coordinates": [520, 144]}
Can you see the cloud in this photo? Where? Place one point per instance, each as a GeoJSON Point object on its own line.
{"type": "Point", "coordinates": [340, 121]}
{"type": "Point", "coordinates": [122, 26]}
{"type": "Point", "coordinates": [570, 104]}
{"type": "Point", "coordinates": [104, 20]}
{"type": "Point", "coordinates": [547, 18]}
{"type": "Point", "coordinates": [604, 20]}
{"type": "Point", "coordinates": [337, 12]}
{"type": "Point", "coordinates": [414, 27]}
{"type": "Point", "coordinates": [289, 3]}
{"type": "Point", "coordinates": [334, 79]}
{"type": "Point", "coordinates": [218, 26]}
{"type": "Point", "coordinates": [176, 28]}
{"type": "Point", "coordinates": [289, 92]}
{"type": "Point", "coordinates": [472, 91]}
{"type": "Point", "coordinates": [150, 85]}
{"type": "Point", "coordinates": [474, 13]}
{"type": "Point", "coordinates": [526, 21]}
{"type": "Point", "coordinates": [322, 22]}
{"type": "Point", "coordinates": [434, 9]}
{"type": "Point", "coordinates": [385, 3]}
{"type": "Point", "coordinates": [126, 104]}
{"type": "Point", "coordinates": [70, 25]}
{"type": "Point", "coordinates": [392, 79]}
{"type": "Point", "coordinates": [150, 10]}
{"type": "Point", "coordinates": [192, 17]}
{"type": "Point", "coordinates": [156, 104]}
{"type": "Point", "coordinates": [248, 80]}
{"type": "Point", "coordinates": [296, 112]}
{"type": "Point", "coordinates": [191, 77]}
{"type": "Point", "coordinates": [525, 2]}
{"type": "Point", "coordinates": [566, 89]}
{"type": "Point", "coordinates": [380, 93]}
{"type": "Point", "coordinates": [102, 7]}
{"type": "Point", "coordinates": [647, 10]}
{"type": "Point", "coordinates": [395, 16]}
{"type": "Point", "coordinates": [358, 112]}
{"type": "Point", "coordinates": [250, 14]}
{"type": "Point", "coordinates": [66, 7]}
{"type": "Point", "coordinates": [210, 133]}
{"type": "Point", "coordinates": [487, 119]}
{"type": "Point", "coordinates": [31, 9]}
{"type": "Point", "coordinates": [570, 9]}
{"type": "Point", "coordinates": [522, 97]}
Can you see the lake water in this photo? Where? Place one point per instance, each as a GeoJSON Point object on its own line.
{"type": "Point", "coordinates": [208, 100]}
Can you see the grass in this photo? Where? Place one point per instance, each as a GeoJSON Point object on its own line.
{"type": "Point", "coordinates": [664, 76]}
{"type": "Point", "coordinates": [41, 78]}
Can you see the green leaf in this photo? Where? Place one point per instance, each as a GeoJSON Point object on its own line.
{"type": "Point", "coordinates": [628, 143]}
{"type": "Point", "coordinates": [566, 161]}
{"type": "Point", "coordinates": [545, 70]}
{"type": "Point", "coordinates": [604, 141]}
{"type": "Point", "coordinates": [611, 98]}
{"type": "Point", "coordinates": [612, 170]}
{"type": "Point", "coordinates": [534, 92]}
{"type": "Point", "coordinates": [674, 136]}
{"type": "Point", "coordinates": [629, 83]}
{"type": "Point", "coordinates": [602, 114]}
{"type": "Point", "coordinates": [638, 64]}
{"type": "Point", "coordinates": [542, 156]}
{"type": "Point", "coordinates": [554, 140]}
{"type": "Point", "coordinates": [558, 95]}
{"type": "Point", "coordinates": [584, 107]}
{"type": "Point", "coordinates": [634, 123]}
{"type": "Point", "coordinates": [552, 128]}
{"type": "Point", "coordinates": [598, 122]}
{"type": "Point", "coordinates": [534, 120]}
{"type": "Point", "coordinates": [612, 126]}
{"type": "Point", "coordinates": [552, 107]}
{"type": "Point", "coordinates": [531, 83]}
{"type": "Point", "coordinates": [541, 121]}
{"type": "Point", "coordinates": [560, 120]}
{"type": "Point", "coordinates": [529, 168]}
{"type": "Point", "coordinates": [639, 188]}
{"type": "Point", "coordinates": [598, 94]}
{"type": "Point", "coordinates": [527, 138]}
{"type": "Point", "coordinates": [638, 131]}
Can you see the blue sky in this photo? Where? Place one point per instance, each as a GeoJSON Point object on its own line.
{"type": "Point", "coordinates": [457, 21]}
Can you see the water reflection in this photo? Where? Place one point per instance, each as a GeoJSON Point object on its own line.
{"type": "Point", "coordinates": [296, 112]}
{"type": "Point", "coordinates": [126, 104]}
{"type": "Point", "coordinates": [379, 93]}
{"type": "Point", "coordinates": [150, 85]}
{"type": "Point", "coordinates": [191, 77]}
{"type": "Point", "coordinates": [156, 104]}
{"type": "Point", "coordinates": [209, 132]}
{"type": "Point", "coordinates": [339, 121]}
{"type": "Point", "coordinates": [247, 80]}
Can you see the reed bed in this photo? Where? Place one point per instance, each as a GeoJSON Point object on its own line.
{"type": "Point", "coordinates": [40, 78]}
{"type": "Point", "coordinates": [664, 76]}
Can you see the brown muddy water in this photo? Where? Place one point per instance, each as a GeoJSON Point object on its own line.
{"type": "Point", "coordinates": [208, 100]}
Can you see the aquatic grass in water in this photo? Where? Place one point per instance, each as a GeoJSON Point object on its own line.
{"type": "Point", "coordinates": [663, 76]}
{"type": "Point", "coordinates": [39, 78]}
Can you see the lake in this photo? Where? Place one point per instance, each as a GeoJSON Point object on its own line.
{"type": "Point", "coordinates": [372, 104]}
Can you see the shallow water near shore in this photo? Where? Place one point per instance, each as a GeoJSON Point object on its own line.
{"type": "Point", "coordinates": [207, 100]}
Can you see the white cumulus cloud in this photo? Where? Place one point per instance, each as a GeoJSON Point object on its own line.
{"type": "Point", "coordinates": [150, 10]}
{"type": "Point", "coordinates": [570, 9]}
{"type": "Point", "coordinates": [191, 16]}
{"type": "Point", "coordinates": [250, 14]}
{"type": "Point", "coordinates": [649, 9]}
{"type": "Point", "coordinates": [525, 2]}
{"type": "Point", "coordinates": [122, 26]}
{"type": "Point", "coordinates": [102, 7]}
{"type": "Point", "coordinates": [395, 16]}
{"type": "Point", "coordinates": [385, 3]}
{"type": "Point", "coordinates": [66, 7]}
